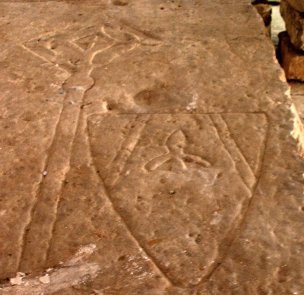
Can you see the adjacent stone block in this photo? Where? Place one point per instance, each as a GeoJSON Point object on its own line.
{"type": "Point", "coordinates": [294, 24]}
{"type": "Point", "coordinates": [297, 4]}
{"type": "Point", "coordinates": [292, 60]}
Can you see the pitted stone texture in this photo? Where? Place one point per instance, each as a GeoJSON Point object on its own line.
{"type": "Point", "coordinates": [297, 4]}
{"type": "Point", "coordinates": [294, 21]}
{"type": "Point", "coordinates": [292, 60]}
{"type": "Point", "coordinates": [158, 133]}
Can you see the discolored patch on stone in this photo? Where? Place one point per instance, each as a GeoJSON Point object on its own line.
{"type": "Point", "coordinates": [120, 2]}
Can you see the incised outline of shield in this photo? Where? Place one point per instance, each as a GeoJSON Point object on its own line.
{"type": "Point", "coordinates": [181, 182]}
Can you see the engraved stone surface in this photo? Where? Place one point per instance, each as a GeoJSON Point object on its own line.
{"type": "Point", "coordinates": [147, 147]}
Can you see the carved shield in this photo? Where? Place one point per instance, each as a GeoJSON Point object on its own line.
{"type": "Point", "coordinates": [182, 183]}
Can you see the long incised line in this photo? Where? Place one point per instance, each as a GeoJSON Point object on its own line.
{"type": "Point", "coordinates": [134, 238]}
{"type": "Point", "coordinates": [53, 225]}
{"type": "Point", "coordinates": [43, 213]}
{"type": "Point", "coordinates": [240, 225]}
{"type": "Point", "coordinates": [233, 150]}
{"type": "Point", "coordinates": [44, 210]}
{"type": "Point", "coordinates": [50, 187]}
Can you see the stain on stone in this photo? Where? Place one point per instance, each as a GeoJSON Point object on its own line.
{"type": "Point", "coordinates": [154, 98]}
{"type": "Point", "coordinates": [120, 2]}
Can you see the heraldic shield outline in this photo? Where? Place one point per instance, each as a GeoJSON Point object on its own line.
{"type": "Point", "coordinates": [181, 182]}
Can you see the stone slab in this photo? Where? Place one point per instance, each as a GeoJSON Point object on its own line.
{"type": "Point", "coordinates": [147, 147]}
{"type": "Point", "coordinates": [292, 60]}
{"type": "Point", "coordinates": [294, 21]}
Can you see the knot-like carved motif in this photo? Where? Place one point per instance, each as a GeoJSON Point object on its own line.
{"type": "Point", "coordinates": [176, 158]}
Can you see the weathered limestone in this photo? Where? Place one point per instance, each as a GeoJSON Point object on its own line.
{"type": "Point", "coordinates": [294, 24]}
{"type": "Point", "coordinates": [297, 4]}
{"type": "Point", "coordinates": [292, 60]}
{"type": "Point", "coordinates": [147, 147]}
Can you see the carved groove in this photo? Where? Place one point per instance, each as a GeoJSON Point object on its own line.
{"type": "Point", "coordinates": [245, 171]}
{"type": "Point", "coordinates": [145, 251]}
{"type": "Point", "coordinates": [57, 161]}
{"type": "Point", "coordinates": [238, 229]}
